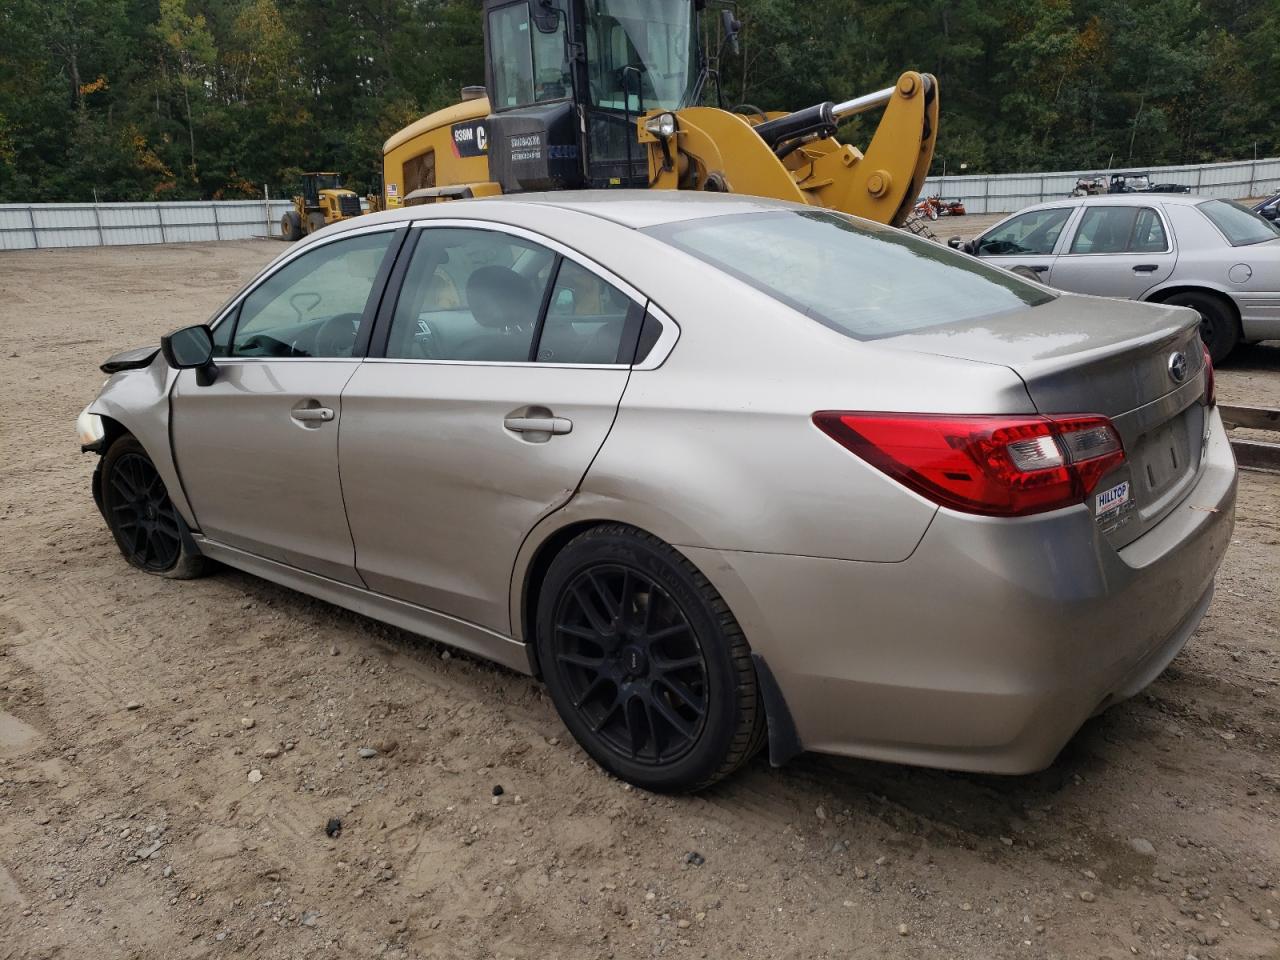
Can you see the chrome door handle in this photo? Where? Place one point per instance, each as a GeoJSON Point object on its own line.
{"type": "Point", "coordinates": [312, 414]}
{"type": "Point", "coordinates": [553, 425]}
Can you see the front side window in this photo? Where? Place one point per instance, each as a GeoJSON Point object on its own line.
{"type": "Point", "coordinates": [470, 295]}
{"type": "Point", "coordinates": [529, 61]}
{"type": "Point", "coordinates": [312, 306]}
{"type": "Point", "coordinates": [1035, 233]}
{"type": "Point", "coordinates": [864, 280]}
{"type": "Point", "coordinates": [641, 54]}
{"type": "Point", "coordinates": [1119, 230]}
{"type": "Point", "coordinates": [1240, 225]}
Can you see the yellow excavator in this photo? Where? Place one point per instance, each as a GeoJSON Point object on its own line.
{"type": "Point", "coordinates": [584, 94]}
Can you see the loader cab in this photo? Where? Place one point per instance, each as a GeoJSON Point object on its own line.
{"type": "Point", "coordinates": [314, 183]}
{"type": "Point", "coordinates": [567, 80]}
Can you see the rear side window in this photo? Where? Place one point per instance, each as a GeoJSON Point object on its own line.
{"type": "Point", "coordinates": [1119, 230]}
{"type": "Point", "coordinates": [470, 295]}
{"type": "Point", "coordinates": [1240, 225]}
{"type": "Point", "coordinates": [862, 279]}
{"type": "Point", "coordinates": [587, 319]}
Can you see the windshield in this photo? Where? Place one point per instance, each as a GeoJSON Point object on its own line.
{"type": "Point", "coordinates": [327, 181]}
{"type": "Point", "coordinates": [1240, 225]}
{"type": "Point", "coordinates": [861, 279]}
{"type": "Point", "coordinates": [641, 54]}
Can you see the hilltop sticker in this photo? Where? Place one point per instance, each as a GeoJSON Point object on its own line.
{"type": "Point", "coordinates": [1109, 501]}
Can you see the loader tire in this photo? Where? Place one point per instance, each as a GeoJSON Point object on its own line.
{"type": "Point", "coordinates": [290, 226]}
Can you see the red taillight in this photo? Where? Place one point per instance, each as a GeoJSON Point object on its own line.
{"type": "Point", "coordinates": [993, 465]}
{"type": "Point", "coordinates": [1210, 394]}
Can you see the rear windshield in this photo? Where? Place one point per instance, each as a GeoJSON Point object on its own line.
{"type": "Point", "coordinates": [863, 279]}
{"type": "Point", "coordinates": [1240, 225]}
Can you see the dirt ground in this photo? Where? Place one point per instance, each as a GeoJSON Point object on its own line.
{"type": "Point", "coordinates": [170, 754]}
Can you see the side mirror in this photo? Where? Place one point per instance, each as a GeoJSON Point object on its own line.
{"type": "Point", "coordinates": [955, 243]}
{"type": "Point", "coordinates": [549, 20]}
{"type": "Point", "coordinates": [731, 26]}
{"type": "Point", "coordinates": [191, 348]}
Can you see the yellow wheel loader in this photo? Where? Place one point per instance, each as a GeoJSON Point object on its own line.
{"type": "Point", "coordinates": [583, 94]}
{"type": "Point", "coordinates": [324, 200]}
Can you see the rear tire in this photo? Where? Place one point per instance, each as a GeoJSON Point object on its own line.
{"type": "Point", "coordinates": [291, 226]}
{"type": "Point", "coordinates": [315, 221]}
{"type": "Point", "coordinates": [645, 663]}
{"type": "Point", "coordinates": [1219, 328]}
{"type": "Point", "coordinates": [148, 529]}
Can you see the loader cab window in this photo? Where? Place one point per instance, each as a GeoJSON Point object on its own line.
{"type": "Point", "coordinates": [313, 183]}
{"type": "Point", "coordinates": [529, 64]}
{"type": "Point", "coordinates": [641, 54]}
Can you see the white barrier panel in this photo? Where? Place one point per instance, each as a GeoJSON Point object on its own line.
{"type": "Point", "coordinates": [1007, 192]}
{"type": "Point", "coordinates": [28, 226]}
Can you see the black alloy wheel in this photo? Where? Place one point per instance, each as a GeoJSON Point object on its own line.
{"type": "Point", "coordinates": [631, 663]}
{"type": "Point", "coordinates": [645, 662]}
{"type": "Point", "coordinates": [146, 525]}
{"type": "Point", "coordinates": [143, 515]}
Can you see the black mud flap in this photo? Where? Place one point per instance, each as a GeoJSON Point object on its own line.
{"type": "Point", "coordinates": [784, 742]}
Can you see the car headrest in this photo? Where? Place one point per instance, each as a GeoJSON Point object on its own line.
{"type": "Point", "coordinates": [499, 297]}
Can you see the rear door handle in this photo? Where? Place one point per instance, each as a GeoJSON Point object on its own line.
{"type": "Point", "coordinates": [1041, 268]}
{"type": "Point", "coordinates": [312, 414]}
{"type": "Point", "coordinates": [1146, 268]}
{"type": "Point", "coordinates": [552, 425]}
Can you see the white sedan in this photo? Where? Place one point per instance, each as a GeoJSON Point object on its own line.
{"type": "Point", "coordinates": [1215, 256]}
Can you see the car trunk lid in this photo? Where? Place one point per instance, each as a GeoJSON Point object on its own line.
{"type": "Point", "coordinates": [1083, 355]}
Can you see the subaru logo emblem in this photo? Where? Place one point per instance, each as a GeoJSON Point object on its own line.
{"type": "Point", "coordinates": [1178, 366]}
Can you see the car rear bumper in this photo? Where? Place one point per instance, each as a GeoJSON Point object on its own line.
{"type": "Point", "coordinates": [990, 646]}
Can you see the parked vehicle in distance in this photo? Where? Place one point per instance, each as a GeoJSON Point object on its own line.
{"type": "Point", "coordinates": [1120, 182]}
{"type": "Point", "coordinates": [929, 207]}
{"type": "Point", "coordinates": [695, 460]}
{"type": "Point", "coordinates": [1269, 208]}
{"type": "Point", "coordinates": [1089, 186]}
{"type": "Point", "coordinates": [1214, 256]}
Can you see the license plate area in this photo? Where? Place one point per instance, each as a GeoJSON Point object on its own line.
{"type": "Point", "coordinates": [1166, 461]}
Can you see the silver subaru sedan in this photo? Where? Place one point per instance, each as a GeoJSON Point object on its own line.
{"type": "Point", "coordinates": [1217, 257]}
{"type": "Point", "coordinates": [722, 472]}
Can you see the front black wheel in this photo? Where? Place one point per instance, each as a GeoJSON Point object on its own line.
{"type": "Point", "coordinates": [645, 662]}
{"type": "Point", "coordinates": [147, 527]}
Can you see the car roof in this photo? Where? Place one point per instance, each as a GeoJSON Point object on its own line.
{"type": "Point", "coordinates": [630, 208]}
{"type": "Point", "coordinates": [1123, 199]}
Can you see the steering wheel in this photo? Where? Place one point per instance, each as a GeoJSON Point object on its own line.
{"type": "Point", "coordinates": [301, 311]}
{"type": "Point", "coordinates": [336, 337]}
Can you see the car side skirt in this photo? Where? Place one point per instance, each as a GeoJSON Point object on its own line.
{"type": "Point", "coordinates": [428, 623]}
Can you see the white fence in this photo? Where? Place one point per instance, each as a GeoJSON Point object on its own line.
{"type": "Point", "coordinates": [28, 226]}
{"type": "Point", "coordinates": [1004, 193]}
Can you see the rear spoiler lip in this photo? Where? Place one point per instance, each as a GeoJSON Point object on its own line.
{"type": "Point", "coordinates": [134, 359]}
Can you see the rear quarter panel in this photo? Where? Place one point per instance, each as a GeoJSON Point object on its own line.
{"type": "Point", "coordinates": [1208, 262]}
{"type": "Point", "coordinates": [716, 448]}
